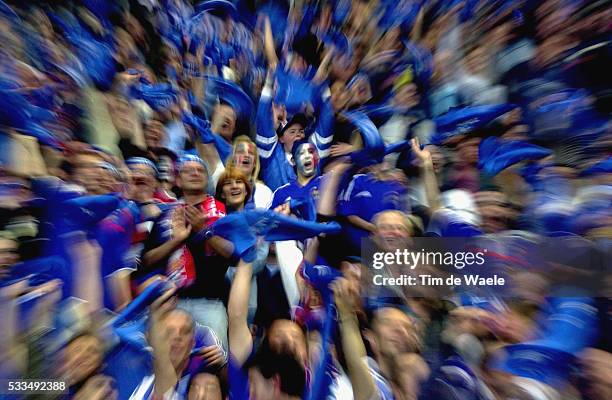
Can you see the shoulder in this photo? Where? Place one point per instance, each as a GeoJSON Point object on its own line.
{"type": "Point", "coordinates": [262, 189]}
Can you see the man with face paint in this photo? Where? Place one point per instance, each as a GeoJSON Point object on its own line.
{"type": "Point", "coordinates": [304, 189]}
{"type": "Point", "coordinates": [275, 140]}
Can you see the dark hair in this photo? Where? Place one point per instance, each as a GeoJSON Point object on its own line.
{"type": "Point", "coordinates": [297, 144]}
{"type": "Point", "coordinates": [290, 371]}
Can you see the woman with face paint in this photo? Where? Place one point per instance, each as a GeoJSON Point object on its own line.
{"type": "Point", "coordinates": [245, 158]}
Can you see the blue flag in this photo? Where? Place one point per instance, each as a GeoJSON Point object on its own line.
{"type": "Point", "coordinates": [242, 229]}
{"type": "Point", "coordinates": [495, 155]}
{"type": "Point", "coordinates": [463, 120]}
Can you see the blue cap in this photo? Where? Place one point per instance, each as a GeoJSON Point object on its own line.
{"type": "Point", "coordinates": [464, 120]}
{"type": "Point", "coordinates": [495, 155]}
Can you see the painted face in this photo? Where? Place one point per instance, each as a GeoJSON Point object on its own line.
{"type": "Point", "coordinates": [244, 157]}
{"type": "Point", "coordinates": [307, 160]}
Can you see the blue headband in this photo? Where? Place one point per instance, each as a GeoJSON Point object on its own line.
{"type": "Point", "coordinates": [188, 158]}
{"type": "Point", "coordinates": [141, 161]}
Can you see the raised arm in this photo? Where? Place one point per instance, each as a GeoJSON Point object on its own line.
{"type": "Point", "coordinates": [269, 49]}
{"type": "Point", "coordinates": [85, 259]}
{"type": "Point", "coordinates": [165, 374]}
{"type": "Point", "coordinates": [353, 348]}
{"type": "Point", "coordinates": [329, 188]}
{"type": "Point", "coordinates": [240, 340]}
{"type": "Point", "coordinates": [428, 175]}
{"type": "Point", "coordinates": [266, 138]}
{"type": "Point", "coordinates": [324, 133]}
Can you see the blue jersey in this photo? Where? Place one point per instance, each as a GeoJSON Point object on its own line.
{"type": "Point", "coordinates": [306, 196]}
{"type": "Point", "coordinates": [276, 170]}
{"type": "Point", "coordinates": [366, 196]}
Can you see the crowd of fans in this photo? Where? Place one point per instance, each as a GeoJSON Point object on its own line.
{"type": "Point", "coordinates": [186, 188]}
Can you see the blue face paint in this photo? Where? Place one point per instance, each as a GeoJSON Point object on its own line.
{"type": "Point", "coordinates": [307, 159]}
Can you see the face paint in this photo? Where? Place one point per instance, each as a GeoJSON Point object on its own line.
{"type": "Point", "coordinates": [244, 157]}
{"type": "Point", "coordinates": [307, 160]}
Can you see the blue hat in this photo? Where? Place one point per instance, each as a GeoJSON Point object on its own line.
{"type": "Point", "coordinates": [495, 155]}
{"type": "Point", "coordinates": [233, 95]}
{"type": "Point", "coordinates": [463, 120]}
{"type": "Point", "coordinates": [570, 328]}
{"type": "Point", "coordinates": [601, 167]}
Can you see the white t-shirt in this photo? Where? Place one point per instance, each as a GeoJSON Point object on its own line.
{"type": "Point", "coordinates": [262, 196]}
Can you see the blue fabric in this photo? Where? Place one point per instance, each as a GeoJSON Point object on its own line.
{"type": "Point", "coordinates": [242, 229]}
{"type": "Point", "coordinates": [232, 94]}
{"type": "Point", "coordinates": [202, 127]}
{"type": "Point", "coordinates": [85, 212]}
{"type": "Point", "coordinates": [571, 327]}
{"type": "Point", "coordinates": [275, 168]}
{"type": "Point", "coordinates": [495, 155]}
{"type": "Point", "coordinates": [365, 196]}
{"type": "Point", "coordinates": [466, 119]}
{"type": "Point", "coordinates": [601, 167]}
{"type": "Point", "coordinates": [373, 146]}
{"type": "Point", "coordinates": [238, 381]}
{"type": "Point", "coordinates": [306, 197]}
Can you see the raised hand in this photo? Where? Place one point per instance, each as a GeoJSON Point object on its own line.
{"type": "Point", "coordinates": [283, 209]}
{"type": "Point", "coordinates": [180, 228]}
{"type": "Point", "coordinates": [423, 155]}
{"type": "Point", "coordinates": [212, 355]}
{"type": "Point", "coordinates": [343, 297]}
{"type": "Point", "coordinates": [195, 217]}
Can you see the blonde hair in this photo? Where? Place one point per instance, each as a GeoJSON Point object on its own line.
{"type": "Point", "coordinates": [247, 140]}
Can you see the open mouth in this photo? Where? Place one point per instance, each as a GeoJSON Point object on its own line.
{"type": "Point", "coordinates": [308, 164]}
{"type": "Point", "coordinates": [236, 192]}
{"type": "Point", "coordinates": [140, 181]}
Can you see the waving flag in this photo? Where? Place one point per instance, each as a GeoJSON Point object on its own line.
{"type": "Point", "coordinates": [242, 229]}
{"type": "Point", "coordinates": [495, 155]}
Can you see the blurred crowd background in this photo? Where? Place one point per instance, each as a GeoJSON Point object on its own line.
{"type": "Point", "coordinates": [185, 187]}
